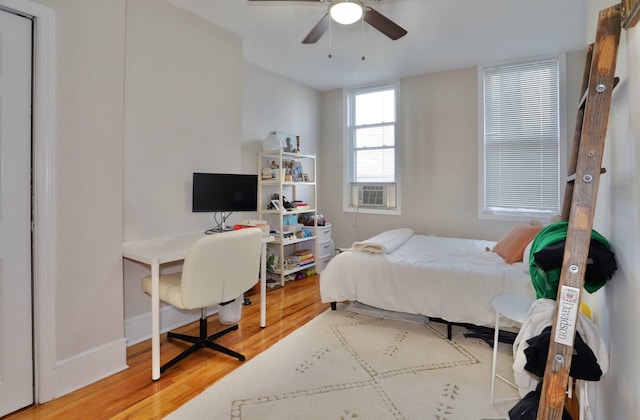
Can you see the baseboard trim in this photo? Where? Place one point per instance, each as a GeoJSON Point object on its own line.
{"type": "Point", "coordinates": [138, 328]}
{"type": "Point", "coordinates": [88, 367]}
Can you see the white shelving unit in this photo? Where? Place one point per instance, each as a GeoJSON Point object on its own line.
{"type": "Point", "coordinates": [293, 177]}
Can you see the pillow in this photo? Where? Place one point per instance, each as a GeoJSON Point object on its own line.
{"type": "Point", "coordinates": [511, 246]}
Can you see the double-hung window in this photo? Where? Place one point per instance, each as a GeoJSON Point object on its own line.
{"type": "Point", "coordinates": [520, 140]}
{"type": "Point", "coordinates": [371, 184]}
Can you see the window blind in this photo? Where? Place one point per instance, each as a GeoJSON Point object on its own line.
{"type": "Point", "coordinates": [521, 138]}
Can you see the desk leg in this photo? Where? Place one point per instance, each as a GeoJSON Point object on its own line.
{"type": "Point", "coordinates": [263, 286]}
{"type": "Point", "coordinates": [155, 320]}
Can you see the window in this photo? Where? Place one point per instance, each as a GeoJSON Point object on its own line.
{"type": "Point", "coordinates": [520, 140]}
{"type": "Point", "coordinates": [371, 151]}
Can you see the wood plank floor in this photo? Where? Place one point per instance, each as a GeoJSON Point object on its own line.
{"type": "Point", "coordinates": [131, 394]}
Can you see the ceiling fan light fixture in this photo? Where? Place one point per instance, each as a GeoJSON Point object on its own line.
{"type": "Point", "coordinates": [346, 12]}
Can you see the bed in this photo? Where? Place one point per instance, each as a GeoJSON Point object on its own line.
{"type": "Point", "coordinates": [450, 279]}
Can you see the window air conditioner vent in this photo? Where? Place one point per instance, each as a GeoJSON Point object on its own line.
{"type": "Point", "coordinates": [373, 195]}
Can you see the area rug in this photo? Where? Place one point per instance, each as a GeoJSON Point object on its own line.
{"type": "Point", "coordinates": [344, 365]}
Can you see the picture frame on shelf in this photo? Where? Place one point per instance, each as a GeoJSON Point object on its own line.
{"type": "Point", "coordinates": [276, 205]}
{"type": "Point", "coordinates": [297, 171]}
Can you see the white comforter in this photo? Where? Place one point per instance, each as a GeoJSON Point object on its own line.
{"type": "Point", "coordinates": [449, 278]}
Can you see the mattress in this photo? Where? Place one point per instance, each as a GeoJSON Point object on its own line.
{"type": "Point", "coordinates": [453, 279]}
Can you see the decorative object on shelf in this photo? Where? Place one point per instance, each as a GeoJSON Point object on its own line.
{"type": "Point", "coordinates": [272, 261]}
{"type": "Point", "coordinates": [296, 172]}
{"type": "Point", "coordinates": [288, 147]}
{"type": "Point", "coordinates": [309, 219]}
{"type": "Point", "coordinates": [297, 149]}
{"type": "Point", "coordinates": [272, 142]}
{"type": "Point", "coordinates": [286, 140]}
{"type": "Point", "coordinates": [268, 174]}
{"type": "Point", "coordinates": [274, 205]}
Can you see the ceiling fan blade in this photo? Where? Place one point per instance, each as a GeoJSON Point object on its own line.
{"type": "Point", "coordinates": [316, 33]}
{"type": "Point", "coordinates": [383, 24]}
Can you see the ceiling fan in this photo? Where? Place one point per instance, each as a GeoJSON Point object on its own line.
{"type": "Point", "coordinates": [353, 10]}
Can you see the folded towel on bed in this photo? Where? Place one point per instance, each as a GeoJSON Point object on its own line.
{"type": "Point", "coordinates": [368, 248]}
{"type": "Point", "coordinates": [385, 242]}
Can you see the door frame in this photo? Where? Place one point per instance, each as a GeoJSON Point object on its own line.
{"type": "Point", "coordinates": [43, 199]}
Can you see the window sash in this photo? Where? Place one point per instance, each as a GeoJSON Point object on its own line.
{"type": "Point", "coordinates": [372, 134]}
{"type": "Point", "coordinates": [522, 138]}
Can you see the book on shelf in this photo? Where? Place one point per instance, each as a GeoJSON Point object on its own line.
{"type": "Point", "coordinates": [301, 255]}
{"type": "Point", "coordinates": [302, 263]}
{"type": "Point", "coordinates": [300, 252]}
{"type": "Point", "coordinates": [298, 260]}
{"type": "Point", "coordinates": [301, 205]}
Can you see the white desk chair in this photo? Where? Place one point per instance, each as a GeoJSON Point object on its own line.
{"type": "Point", "coordinates": [514, 307]}
{"type": "Point", "coordinates": [217, 269]}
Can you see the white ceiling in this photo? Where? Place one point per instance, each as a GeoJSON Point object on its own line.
{"type": "Point", "coordinates": [442, 35]}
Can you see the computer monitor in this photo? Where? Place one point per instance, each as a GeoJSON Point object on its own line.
{"type": "Point", "coordinates": [214, 192]}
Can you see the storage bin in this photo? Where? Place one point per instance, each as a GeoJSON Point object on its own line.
{"type": "Point", "coordinates": [325, 249]}
{"type": "Point", "coordinates": [323, 233]}
{"type": "Point", "coordinates": [231, 313]}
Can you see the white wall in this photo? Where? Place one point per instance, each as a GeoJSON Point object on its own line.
{"type": "Point", "coordinates": [182, 115]}
{"type": "Point", "coordinates": [89, 340]}
{"type": "Point", "coordinates": [615, 307]}
{"type": "Point", "coordinates": [439, 158]}
{"type": "Point", "coordinates": [274, 103]}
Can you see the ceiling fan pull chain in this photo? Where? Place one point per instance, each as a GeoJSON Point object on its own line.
{"type": "Point", "coordinates": [362, 33]}
{"type": "Point", "coordinates": [330, 38]}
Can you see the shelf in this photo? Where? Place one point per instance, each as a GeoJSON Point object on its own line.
{"type": "Point", "coordinates": [299, 211]}
{"type": "Point", "coordinates": [302, 191]}
{"type": "Point", "coordinates": [291, 156]}
{"type": "Point", "coordinates": [275, 183]}
{"type": "Point", "coordinates": [284, 213]}
{"type": "Point", "coordinates": [294, 269]}
{"type": "Point", "coordinates": [277, 240]}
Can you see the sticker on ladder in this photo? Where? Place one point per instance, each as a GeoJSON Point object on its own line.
{"type": "Point", "coordinates": [567, 315]}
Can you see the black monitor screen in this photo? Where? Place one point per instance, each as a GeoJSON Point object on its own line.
{"type": "Point", "coordinates": [224, 192]}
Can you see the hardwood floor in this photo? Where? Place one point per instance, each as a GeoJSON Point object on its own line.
{"type": "Point", "coordinates": [131, 394]}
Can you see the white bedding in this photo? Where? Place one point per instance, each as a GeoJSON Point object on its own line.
{"type": "Point", "coordinates": [449, 278]}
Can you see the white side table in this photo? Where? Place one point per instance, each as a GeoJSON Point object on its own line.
{"type": "Point", "coordinates": [514, 307]}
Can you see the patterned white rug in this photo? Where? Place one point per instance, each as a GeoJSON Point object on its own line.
{"type": "Point", "coordinates": [343, 365]}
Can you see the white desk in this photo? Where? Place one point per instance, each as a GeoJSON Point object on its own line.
{"type": "Point", "coordinates": [155, 252]}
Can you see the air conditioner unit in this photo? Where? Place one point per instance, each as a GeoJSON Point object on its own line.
{"type": "Point", "coordinates": [373, 195]}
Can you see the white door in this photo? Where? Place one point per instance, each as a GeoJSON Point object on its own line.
{"type": "Point", "coordinates": [16, 353]}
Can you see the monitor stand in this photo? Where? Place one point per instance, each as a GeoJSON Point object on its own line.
{"type": "Point", "coordinates": [218, 230]}
{"type": "Point", "coordinates": [221, 226]}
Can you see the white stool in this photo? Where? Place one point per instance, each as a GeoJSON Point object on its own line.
{"type": "Point", "coordinates": [514, 307]}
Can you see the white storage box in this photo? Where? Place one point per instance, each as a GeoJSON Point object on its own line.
{"type": "Point", "coordinates": [325, 249]}
{"type": "Point", "coordinates": [323, 233]}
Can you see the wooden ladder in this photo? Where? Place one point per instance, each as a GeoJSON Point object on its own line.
{"type": "Point", "coordinates": [585, 167]}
